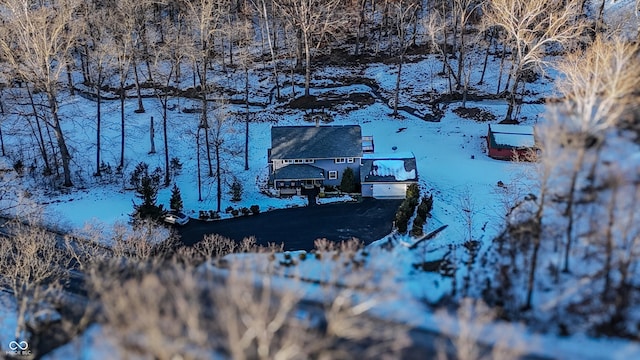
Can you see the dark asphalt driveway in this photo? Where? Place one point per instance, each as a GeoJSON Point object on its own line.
{"type": "Point", "coordinates": [298, 228]}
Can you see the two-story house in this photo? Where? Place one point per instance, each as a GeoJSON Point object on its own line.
{"type": "Point", "coordinates": [308, 157]}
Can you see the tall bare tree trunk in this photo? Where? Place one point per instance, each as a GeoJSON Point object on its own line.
{"type": "Point", "coordinates": [152, 137]}
{"type": "Point", "coordinates": [43, 149]}
{"type": "Point", "coordinates": [569, 210]}
{"type": "Point", "coordinates": [205, 115]}
{"type": "Point", "coordinates": [307, 61]}
{"type": "Point", "coordinates": [122, 130]}
{"type": "Point", "coordinates": [167, 178]}
{"type": "Point", "coordinates": [2, 142]}
{"type": "Point", "coordinates": [98, 124]}
{"type": "Point", "coordinates": [246, 120]}
{"type": "Point", "coordinates": [138, 90]}
{"type": "Point", "coordinates": [62, 145]}
{"type": "Point", "coordinates": [512, 98]}
{"type": "Point", "coordinates": [218, 176]}
{"type": "Point", "coordinates": [198, 164]}
{"type": "Point", "coordinates": [397, 94]}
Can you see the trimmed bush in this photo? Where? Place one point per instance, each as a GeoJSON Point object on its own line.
{"type": "Point", "coordinates": [236, 191]}
{"type": "Point", "coordinates": [418, 223]}
{"type": "Point", "coordinates": [425, 207]}
{"type": "Point", "coordinates": [405, 211]}
{"type": "Point", "coordinates": [348, 183]}
{"type": "Point", "coordinates": [245, 211]}
{"type": "Point", "coordinates": [175, 202]}
{"type": "Point", "coordinates": [255, 209]}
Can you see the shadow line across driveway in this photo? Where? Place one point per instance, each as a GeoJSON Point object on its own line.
{"type": "Point", "coordinates": [298, 228]}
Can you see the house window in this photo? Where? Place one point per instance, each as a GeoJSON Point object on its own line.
{"type": "Point", "coordinates": [297, 161]}
{"type": "Point", "coordinates": [340, 160]}
{"type": "Point", "coordinates": [309, 161]}
{"type": "Point", "coordinates": [293, 184]}
{"type": "Point", "coordinates": [350, 160]}
{"type": "Point", "coordinates": [286, 161]}
{"type": "Point", "coordinates": [333, 175]}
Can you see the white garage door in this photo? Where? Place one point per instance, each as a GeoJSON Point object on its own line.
{"type": "Point", "coordinates": [389, 191]}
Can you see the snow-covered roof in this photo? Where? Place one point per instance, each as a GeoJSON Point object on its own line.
{"type": "Point", "coordinates": [394, 155]}
{"type": "Point", "coordinates": [400, 169]}
{"type": "Point", "coordinates": [513, 136]}
{"type": "Point", "coordinates": [512, 129]}
{"type": "Point", "coordinates": [514, 140]}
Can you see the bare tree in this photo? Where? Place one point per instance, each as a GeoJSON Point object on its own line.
{"type": "Point", "coordinates": [403, 13]}
{"type": "Point", "coordinates": [168, 57]}
{"type": "Point", "coordinates": [100, 62]}
{"type": "Point", "coordinates": [315, 21]}
{"type": "Point", "coordinates": [244, 309]}
{"type": "Point", "coordinates": [463, 11]}
{"type": "Point", "coordinates": [205, 17]}
{"type": "Point", "coordinates": [246, 29]}
{"type": "Point", "coordinates": [121, 27]}
{"type": "Point", "coordinates": [40, 39]}
{"type": "Point", "coordinates": [598, 85]}
{"type": "Point", "coordinates": [467, 325]}
{"type": "Point", "coordinates": [531, 26]}
{"type": "Point", "coordinates": [32, 268]}
{"type": "Point", "coordinates": [219, 131]}
{"type": "Point", "coordinates": [267, 17]}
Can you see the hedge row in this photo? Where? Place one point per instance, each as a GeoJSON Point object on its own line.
{"type": "Point", "coordinates": [424, 209]}
{"type": "Point", "coordinates": [405, 211]}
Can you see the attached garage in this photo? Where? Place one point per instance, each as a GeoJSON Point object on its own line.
{"type": "Point", "coordinates": [389, 191]}
{"type": "Point", "coordinates": [387, 176]}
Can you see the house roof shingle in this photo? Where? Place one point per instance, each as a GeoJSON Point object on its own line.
{"type": "Point", "coordinates": [316, 142]}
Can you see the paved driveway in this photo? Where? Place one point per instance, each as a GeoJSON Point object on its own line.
{"type": "Point", "coordinates": [297, 228]}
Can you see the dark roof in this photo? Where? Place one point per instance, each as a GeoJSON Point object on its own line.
{"type": "Point", "coordinates": [298, 172]}
{"type": "Point", "coordinates": [371, 169]}
{"type": "Point", "coordinates": [315, 142]}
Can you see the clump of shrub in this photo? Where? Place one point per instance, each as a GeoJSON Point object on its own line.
{"type": "Point", "coordinates": [208, 214]}
{"type": "Point", "coordinates": [288, 260]}
{"type": "Point", "coordinates": [236, 191]}
{"type": "Point", "coordinates": [418, 223]}
{"type": "Point", "coordinates": [405, 211]}
{"type": "Point", "coordinates": [423, 212]}
{"type": "Point", "coordinates": [348, 183]}
{"type": "Point", "coordinates": [176, 166]}
{"type": "Point", "coordinates": [228, 209]}
{"type": "Point", "coordinates": [235, 212]}
{"type": "Point", "coordinates": [18, 166]}
{"type": "Point", "coordinates": [245, 211]}
{"type": "Point", "coordinates": [425, 207]}
{"type": "Point", "coordinates": [255, 209]}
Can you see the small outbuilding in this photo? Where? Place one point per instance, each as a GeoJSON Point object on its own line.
{"type": "Point", "coordinates": [387, 176]}
{"type": "Point", "coordinates": [508, 142]}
